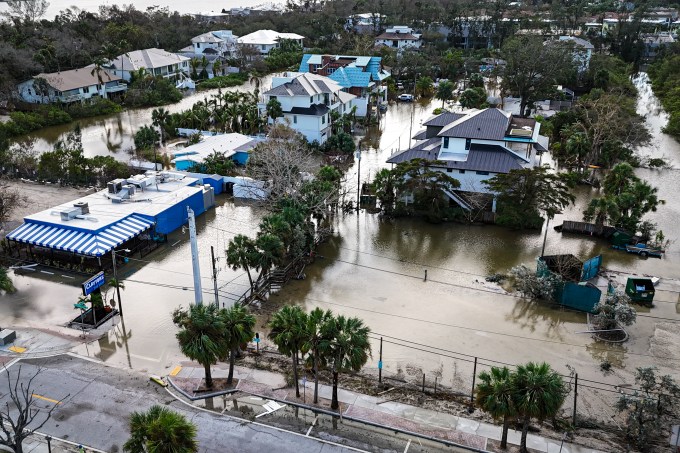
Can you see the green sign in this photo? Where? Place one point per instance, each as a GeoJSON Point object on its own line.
{"type": "Point", "coordinates": [80, 306]}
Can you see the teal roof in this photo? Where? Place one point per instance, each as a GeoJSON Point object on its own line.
{"type": "Point", "coordinates": [351, 77]}
{"type": "Point", "coordinates": [359, 73]}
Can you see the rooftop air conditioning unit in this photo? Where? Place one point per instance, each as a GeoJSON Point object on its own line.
{"type": "Point", "coordinates": [69, 214]}
{"type": "Point", "coordinates": [83, 206]}
{"type": "Point", "coordinates": [115, 186]}
{"type": "Point", "coordinates": [130, 188]}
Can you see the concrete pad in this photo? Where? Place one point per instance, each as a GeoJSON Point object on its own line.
{"type": "Point", "coordinates": [537, 443]}
{"type": "Point", "coordinates": [344, 396]}
{"type": "Point", "coordinates": [491, 431]}
{"type": "Point", "coordinates": [275, 380]}
{"type": "Point", "coordinates": [555, 447]}
{"type": "Point", "coordinates": [467, 426]}
{"type": "Point", "coordinates": [435, 419]}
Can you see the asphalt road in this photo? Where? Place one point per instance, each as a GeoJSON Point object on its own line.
{"type": "Point", "coordinates": [96, 401]}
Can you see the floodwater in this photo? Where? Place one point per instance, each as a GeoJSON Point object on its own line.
{"type": "Point", "coordinates": [374, 269]}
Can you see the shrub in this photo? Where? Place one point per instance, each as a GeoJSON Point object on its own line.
{"type": "Point", "coordinates": [226, 81]}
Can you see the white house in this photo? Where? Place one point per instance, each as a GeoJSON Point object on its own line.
{"type": "Point", "coordinates": [307, 101]}
{"type": "Point", "coordinates": [583, 51]}
{"type": "Point", "coordinates": [156, 62]}
{"type": "Point", "coordinates": [70, 86]}
{"type": "Point", "coordinates": [399, 37]}
{"type": "Point", "coordinates": [365, 22]}
{"type": "Point", "coordinates": [219, 42]}
{"type": "Point", "coordinates": [266, 40]}
{"type": "Point", "coordinates": [474, 146]}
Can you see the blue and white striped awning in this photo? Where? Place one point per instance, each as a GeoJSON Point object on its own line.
{"type": "Point", "coordinates": [92, 244]}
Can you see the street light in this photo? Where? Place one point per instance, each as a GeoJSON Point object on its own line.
{"type": "Point", "coordinates": [115, 277]}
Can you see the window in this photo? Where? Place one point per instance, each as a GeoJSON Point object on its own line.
{"type": "Point", "coordinates": [449, 170]}
{"type": "Point", "coordinates": [294, 119]}
{"type": "Point", "coordinates": [29, 92]}
{"type": "Point", "coordinates": [323, 119]}
{"type": "Point", "coordinates": [86, 90]}
{"type": "Point", "coordinates": [468, 142]}
{"type": "Point", "coordinates": [263, 47]}
{"type": "Point", "coordinates": [446, 142]}
{"type": "Point", "coordinates": [311, 99]}
{"type": "Point", "coordinates": [461, 172]}
{"type": "Point", "coordinates": [483, 173]}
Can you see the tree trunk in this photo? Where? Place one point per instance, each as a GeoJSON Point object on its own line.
{"type": "Point", "coordinates": [232, 359]}
{"type": "Point", "coordinates": [522, 106]}
{"type": "Point", "coordinates": [208, 376]}
{"type": "Point", "coordinates": [504, 436]}
{"type": "Point", "coordinates": [250, 278]}
{"type": "Point", "coordinates": [295, 375]}
{"type": "Point", "coordinates": [525, 430]}
{"type": "Point", "coordinates": [334, 400]}
{"type": "Point", "coordinates": [316, 377]}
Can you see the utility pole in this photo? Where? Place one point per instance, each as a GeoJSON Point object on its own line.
{"type": "Point", "coordinates": [545, 236]}
{"type": "Point", "coordinates": [214, 270]}
{"type": "Point", "coordinates": [357, 154]}
{"type": "Point", "coordinates": [198, 290]}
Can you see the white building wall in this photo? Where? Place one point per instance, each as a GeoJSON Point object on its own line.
{"type": "Point", "coordinates": [470, 180]}
{"type": "Point", "coordinates": [28, 94]}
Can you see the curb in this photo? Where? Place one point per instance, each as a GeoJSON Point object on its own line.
{"type": "Point", "coordinates": [202, 397]}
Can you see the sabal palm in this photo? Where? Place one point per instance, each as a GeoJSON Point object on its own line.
{"type": "Point", "coordinates": [345, 346]}
{"type": "Point", "coordinates": [494, 394]}
{"type": "Point", "coordinates": [202, 335]}
{"type": "Point", "coordinates": [270, 252]}
{"type": "Point", "coordinates": [160, 430]}
{"type": "Point", "coordinates": [160, 118]}
{"type": "Point", "coordinates": [538, 393]}
{"type": "Point", "coordinates": [288, 332]}
{"type": "Point", "coordinates": [238, 329]}
{"type": "Point", "coordinates": [316, 320]}
{"type": "Point", "coordinates": [6, 284]}
{"type": "Point", "coordinates": [241, 254]}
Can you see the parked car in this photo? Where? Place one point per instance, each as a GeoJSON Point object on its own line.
{"type": "Point", "coordinates": [406, 97]}
{"type": "Point", "coordinates": [400, 86]}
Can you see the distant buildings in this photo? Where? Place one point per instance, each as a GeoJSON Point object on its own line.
{"type": "Point", "coordinates": [155, 62]}
{"type": "Point", "coordinates": [655, 42]}
{"type": "Point", "coordinates": [218, 45]}
{"type": "Point", "coordinates": [365, 22]}
{"type": "Point", "coordinates": [582, 52]}
{"type": "Point", "coordinates": [307, 101]}
{"type": "Point", "coordinates": [266, 40]}
{"type": "Point", "coordinates": [76, 85]}
{"type": "Point", "coordinates": [359, 75]}
{"type": "Point", "coordinates": [399, 37]}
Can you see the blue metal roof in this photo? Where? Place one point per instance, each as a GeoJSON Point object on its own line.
{"type": "Point", "coordinates": [77, 241]}
{"type": "Point", "coordinates": [351, 77]}
{"type": "Point", "coordinates": [359, 73]}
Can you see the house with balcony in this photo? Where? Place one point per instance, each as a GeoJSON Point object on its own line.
{"type": "Point", "coordinates": [361, 76]}
{"type": "Point", "coordinates": [400, 38]}
{"type": "Point", "coordinates": [307, 101]}
{"type": "Point", "coordinates": [76, 85]}
{"type": "Point", "coordinates": [474, 146]}
{"type": "Point", "coordinates": [266, 40]}
{"type": "Point", "coordinates": [219, 42]}
{"type": "Point", "coordinates": [155, 62]}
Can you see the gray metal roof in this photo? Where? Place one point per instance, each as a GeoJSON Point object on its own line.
{"type": "Point", "coordinates": [421, 135]}
{"type": "Point", "coordinates": [487, 124]}
{"type": "Point", "coordinates": [443, 119]}
{"type": "Point", "coordinates": [305, 84]}
{"type": "Point", "coordinates": [314, 110]}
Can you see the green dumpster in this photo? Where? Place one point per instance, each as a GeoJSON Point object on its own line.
{"type": "Point", "coordinates": [640, 290]}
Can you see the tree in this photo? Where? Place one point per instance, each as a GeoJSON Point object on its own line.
{"type": "Point", "coordinates": [315, 329]}
{"type": "Point", "coordinates": [473, 98]}
{"type": "Point", "coordinates": [650, 409]}
{"type": "Point", "coordinates": [424, 87]}
{"type": "Point", "coordinates": [160, 118]}
{"type": "Point", "coordinates": [345, 346]}
{"type": "Point", "coordinates": [494, 394]}
{"type": "Point", "coordinates": [525, 194]}
{"type": "Point", "coordinates": [288, 332]}
{"type": "Point", "coordinates": [27, 10]}
{"type": "Point", "coordinates": [241, 254]}
{"type": "Point", "coordinates": [20, 412]}
{"type": "Point", "coordinates": [238, 329]}
{"type": "Point", "coordinates": [534, 286]}
{"type": "Point", "coordinates": [160, 430]}
{"type": "Point", "coordinates": [274, 109]}
{"type": "Point", "coordinates": [533, 68]}
{"type": "Point", "coordinates": [445, 91]}
{"type": "Point", "coordinates": [270, 252]}
{"type": "Point", "coordinates": [202, 335]}
{"type": "Point", "coordinates": [10, 200]}
{"type": "Point", "coordinates": [6, 284]}
{"type": "Point", "coordinates": [217, 68]}
{"type": "Point", "coordinates": [98, 67]}
{"type": "Point", "coordinates": [601, 210]}
{"type": "Point", "coordinates": [615, 310]}
{"type": "Point", "coordinates": [146, 137]}
{"type": "Point", "coordinates": [384, 185]}
{"type": "Point", "coordinates": [539, 393]}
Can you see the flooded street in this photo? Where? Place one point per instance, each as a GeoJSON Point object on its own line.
{"type": "Point", "coordinates": [374, 269]}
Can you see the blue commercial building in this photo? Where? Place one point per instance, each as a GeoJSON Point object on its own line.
{"type": "Point", "coordinates": [234, 146]}
{"type": "Point", "coordinates": [134, 213]}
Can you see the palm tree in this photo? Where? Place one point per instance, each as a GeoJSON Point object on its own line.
{"type": "Point", "coordinates": [241, 254]}
{"type": "Point", "coordinates": [160, 430]}
{"type": "Point", "coordinates": [160, 118]}
{"type": "Point", "coordinates": [601, 210]}
{"type": "Point", "coordinates": [538, 393]}
{"type": "Point", "coordinates": [6, 284]}
{"type": "Point", "coordinates": [117, 285]}
{"type": "Point", "coordinates": [316, 321]}
{"type": "Point", "coordinates": [424, 86]}
{"type": "Point", "coordinates": [97, 68]}
{"type": "Point", "coordinates": [288, 334]}
{"type": "Point", "coordinates": [194, 63]}
{"type": "Point", "coordinates": [270, 252]}
{"type": "Point", "coordinates": [238, 329]}
{"type": "Point", "coordinates": [445, 91]}
{"type": "Point", "coordinates": [202, 335]}
{"type": "Point", "coordinates": [495, 396]}
{"type": "Point", "coordinates": [217, 67]}
{"type": "Point", "coordinates": [344, 346]}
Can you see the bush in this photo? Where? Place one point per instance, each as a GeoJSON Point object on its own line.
{"type": "Point", "coordinates": [146, 137]}
{"type": "Point", "coordinates": [226, 81]}
{"type": "Point", "coordinates": [24, 122]}
{"type": "Point", "coordinates": [533, 286]}
{"type": "Point", "coordinates": [160, 91]}
{"type": "Point", "coordinates": [95, 107]}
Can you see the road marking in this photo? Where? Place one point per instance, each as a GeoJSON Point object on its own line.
{"type": "Point", "coordinates": [176, 371]}
{"type": "Point", "coordinates": [17, 349]}
{"type": "Point", "coordinates": [310, 428]}
{"type": "Point", "coordinates": [408, 444]}
{"type": "Point", "coordinates": [46, 398]}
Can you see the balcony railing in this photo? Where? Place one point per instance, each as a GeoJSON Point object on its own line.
{"type": "Point", "coordinates": [116, 88]}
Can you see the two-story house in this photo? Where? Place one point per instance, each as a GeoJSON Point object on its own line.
{"type": "Point", "coordinates": [399, 37]}
{"type": "Point", "coordinates": [582, 51]}
{"type": "Point", "coordinates": [361, 76]}
{"type": "Point", "coordinates": [155, 62]}
{"type": "Point", "coordinates": [307, 101]}
{"type": "Point", "coordinates": [474, 146]}
{"type": "Point", "coordinates": [218, 42]}
{"type": "Point", "coordinates": [266, 40]}
{"type": "Point", "coordinates": [75, 85]}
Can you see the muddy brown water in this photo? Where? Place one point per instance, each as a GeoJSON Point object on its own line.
{"type": "Point", "coordinates": [374, 269]}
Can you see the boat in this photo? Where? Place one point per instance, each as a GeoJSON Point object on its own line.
{"type": "Point", "coordinates": [644, 250]}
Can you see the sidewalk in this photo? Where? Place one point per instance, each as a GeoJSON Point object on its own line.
{"type": "Point", "coordinates": [392, 414]}
{"type": "Point", "coordinates": [36, 443]}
